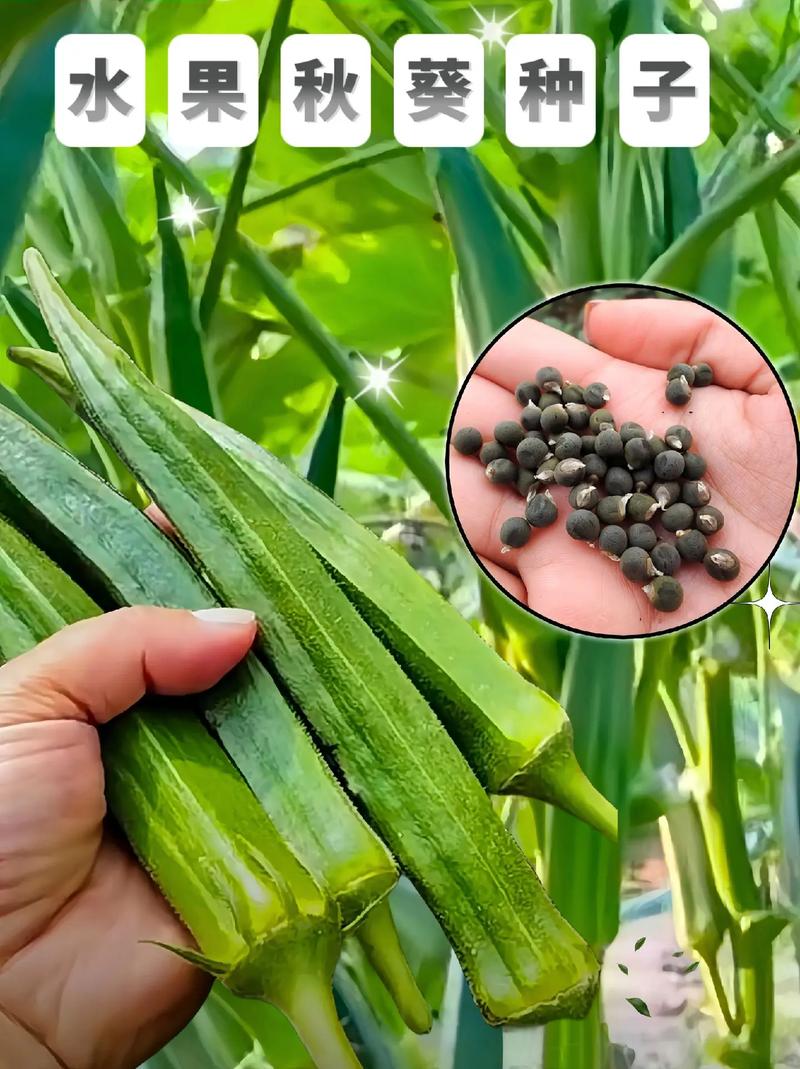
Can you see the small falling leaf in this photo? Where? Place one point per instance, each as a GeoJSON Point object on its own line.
{"type": "Point", "coordinates": [640, 943]}
{"type": "Point", "coordinates": [622, 968]}
{"type": "Point", "coordinates": [691, 968]}
{"type": "Point", "coordinates": [640, 1006]}
{"type": "Point", "coordinates": [677, 954]}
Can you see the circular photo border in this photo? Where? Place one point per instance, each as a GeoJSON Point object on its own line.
{"type": "Point", "coordinates": [651, 289]}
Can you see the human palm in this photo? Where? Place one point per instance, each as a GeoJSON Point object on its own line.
{"type": "Point", "coordinates": [742, 425]}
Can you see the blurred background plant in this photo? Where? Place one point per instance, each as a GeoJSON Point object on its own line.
{"type": "Point", "coordinates": [326, 303]}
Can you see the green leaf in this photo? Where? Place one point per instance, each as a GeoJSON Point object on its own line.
{"type": "Point", "coordinates": [324, 464]}
{"type": "Point", "coordinates": [640, 943]}
{"type": "Point", "coordinates": [640, 1006]}
{"type": "Point", "coordinates": [623, 968]}
{"type": "Point", "coordinates": [691, 968]}
{"type": "Point", "coordinates": [25, 314]}
{"type": "Point", "coordinates": [183, 372]}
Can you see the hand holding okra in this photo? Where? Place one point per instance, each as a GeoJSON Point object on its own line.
{"type": "Point", "coordinates": [740, 425]}
{"type": "Point", "coordinates": [78, 986]}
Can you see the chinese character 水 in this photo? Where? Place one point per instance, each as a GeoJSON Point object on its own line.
{"type": "Point", "coordinates": [102, 88]}
{"type": "Point", "coordinates": [99, 90]}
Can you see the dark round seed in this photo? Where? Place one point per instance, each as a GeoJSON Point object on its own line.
{"type": "Point", "coordinates": [695, 466]}
{"type": "Point", "coordinates": [608, 444]}
{"type": "Point", "coordinates": [612, 509]}
{"type": "Point", "coordinates": [531, 416]}
{"type": "Point", "coordinates": [502, 471]}
{"type": "Point", "coordinates": [467, 441]}
{"type": "Point", "coordinates": [509, 432]}
{"type": "Point", "coordinates": [569, 472]}
{"type": "Point", "coordinates": [583, 525]}
{"type": "Point", "coordinates": [636, 565]}
{"type": "Point", "coordinates": [678, 437]}
{"type": "Point", "coordinates": [572, 393]}
{"type": "Point", "coordinates": [692, 545]}
{"type": "Point", "coordinates": [643, 479]}
{"type": "Point", "coordinates": [703, 375]}
{"type": "Point", "coordinates": [641, 507]}
{"type": "Point", "coordinates": [678, 371]}
{"type": "Point", "coordinates": [568, 445]}
{"type": "Point", "coordinates": [678, 391]}
{"type": "Point", "coordinates": [721, 564]}
{"type": "Point", "coordinates": [546, 472]}
{"type": "Point", "coordinates": [526, 392]}
{"type": "Point", "coordinates": [541, 510]}
{"type": "Point", "coordinates": [665, 593]}
{"type": "Point", "coordinates": [526, 481]}
{"type": "Point", "coordinates": [535, 434]}
{"type": "Point", "coordinates": [547, 400]}
{"type": "Point", "coordinates": [531, 452]}
{"type": "Point", "coordinates": [587, 443]}
{"type": "Point", "coordinates": [599, 419]}
{"type": "Point", "coordinates": [708, 519]}
{"type": "Point", "coordinates": [577, 415]}
{"type": "Point", "coordinates": [596, 467]}
{"type": "Point", "coordinates": [618, 481]}
{"type": "Point", "coordinates": [515, 532]}
{"type": "Point", "coordinates": [630, 430]}
{"type": "Point", "coordinates": [596, 394]}
{"type": "Point", "coordinates": [666, 558]}
{"type": "Point", "coordinates": [554, 419]}
{"type": "Point", "coordinates": [584, 496]}
{"type": "Point", "coordinates": [613, 541]}
{"type": "Point", "coordinates": [696, 493]}
{"type": "Point", "coordinates": [637, 453]}
{"type": "Point", "coordinates": [657, 444]}
{"type": "Point", "coordinates": [678, 517]}
{"type": "Point", "coordinates": [666, 494]}
{"type": "Point", "coordinates": [669, 465]}
{"type": "Point", "coordinates": [643, 536]}
{"type": "Point", "coordinates": [492, 451]}
{"type": "Point", "coordinates": [549, 379]}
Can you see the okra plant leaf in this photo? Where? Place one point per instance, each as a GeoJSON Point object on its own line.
{"type": "Point", "coordinates": [623, 968]}
{"type": "Point", "coordinates": [640, 1006]}
{"type": "Point", "coordinates": [640, 943]}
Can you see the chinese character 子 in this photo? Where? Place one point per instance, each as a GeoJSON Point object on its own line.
{"type": "Point", "coordinates": [666, 90]}
{"type": "Point", "coordinates": [316, 85]}
{"type": "Point", "coordinates": [439, 88]}
{"type": "Point", "coordinates": [103, 89]}
{"type": "Point", "coordinates": [213, 89]}
{"type": "Point", "coordinates": [562, 86]}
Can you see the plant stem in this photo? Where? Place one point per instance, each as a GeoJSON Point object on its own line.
{"type": "Point", "coordinates": [309, 1005]}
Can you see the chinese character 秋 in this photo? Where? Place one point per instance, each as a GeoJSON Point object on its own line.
{"type": "Point", "coordinates": [213, 89]}
{"type": "Point", "coordinates": [439, 88]}
{"type": "Point", "coordinates": [315, 85]}
{"type": "Point", "coordinates": [562, 86]}
{"type": "Point", "coordinates": [666, 90]}
{"type": "Point", "coordinates": [104, 90]}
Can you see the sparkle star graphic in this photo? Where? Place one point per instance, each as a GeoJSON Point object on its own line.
{"type": "Point", "coordinates": [770, 603]}
{"type": "Point", "coordinates": [185, 213]}
{"type": "Point", "coordinates": [379, 379]}
{"type": "Point", "coordinates": [492, 31]}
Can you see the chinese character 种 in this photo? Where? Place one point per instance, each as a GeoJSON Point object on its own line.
{"type": "Point", "coordinates": [213, 89]}
{"type": "Point", "coordinates": [104, 90]}
{"type": "Point", "coordinates": [562, 86]}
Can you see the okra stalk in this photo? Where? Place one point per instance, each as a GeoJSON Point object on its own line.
{"type": "Point", "coordinates": [121, 555]}
{"type": "Point", "coordinates": [522, 959]}
{"type": "Point", "coordinates": [263, 925]}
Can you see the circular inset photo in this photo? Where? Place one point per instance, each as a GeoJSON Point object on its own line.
{"type": "Point", "coordinates": [622, 460]}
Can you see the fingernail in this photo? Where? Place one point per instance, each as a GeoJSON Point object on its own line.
{"type": "Point", "coordinates": [225, 616]}
{"type": "Point", "coordinates": [588, 308]}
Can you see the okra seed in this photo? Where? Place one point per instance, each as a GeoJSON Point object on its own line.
{"type": "Point", "coordinates": [678, 517]}
{"type": "Point", "coordinates": [643, 479]}
{"type": "Point", "coordinates": [531, 453]}
{"type": "Point", "coordinates": [643, 536]}
{"type": "Point", "coordinates": [636, 565]}
{"type": "Point", "coordinates": [577, 415]}
{"type": "Point", "coordinates": [630, 430]}
{"type": "Point", "coordinates": [531, 416]}
{"type": "Point", "coordinates": [666, 558]}
{"type": "Point", "coordinates": [657, 444]}
{"type": "Point", "coordinates": [681, 371]}
{"type": "Point", "coordinates": [587, 443]}
{"type": "Point", "coordinates": [596, 394]}
{"type": "Point", "coordinates": [669, 465]}
{"type": "Point", "coordinates": [613, 541]}
{"type": "Point", "coordinates": [468, 441]}
{"type": "Point", "coordinates": [541, 510]}
{"type": "Point", "coordinates": [678, 437]}
{"type": "Point", "coordinates": [665, 593]}
{"type": "Point", "coordinates": [599, 418]}
{"type": "Point", "coordinates": [596, 467]}
{"type": "Point", "coordinates": [708, 519]}
{"type": "Point", "coordinates": [569, 472]}
{"type": "Point", "coordinates": [527, 393]}
{"type": "Point", "coordinates": [549, 379]}
{"type": "Point", "coordinates": [546, 472]}
{"type": "Point", "coordinates": [492, 451]}
{"type": "Point", "coordinates": [584, 496]}
{"type": "Point", "coordinates": [509, 432]}
{"type": "Point", "coordinates": [703, 375]}
{"type": "Point", "coordinates": [554, 419]}
{"type": "Point", "coordinates": [501, 471]}
{"type": "Point", "coordinates": [694, 467]}
{"type": "Point", "coordinates": [721, 564]}
{"type": "Point", "coordinates": [618, 481]}
{"type": "Point", "coordinates": [612, 509]}
{"type": "Point", "coordinates": [608, 444]}
{"type": "Point", "coordinates": [568, 445]}
{"type": "Point", "coordinates": [666, 493]}
{"type": "Point", "coordinates": [583, 525]}
{"type": "Point", "coordinates": [547, 400]}
{"type": "Point", "coordinates": [692, 545]}
{"type": "Point", "coordinates": [515, 532]}
{"type": "Point", "coordinates": [641, 507]}
{"type": "Point", "coordinates": [572, 393]}
{"type": "Point", "coordinates": [637, 453]}
{"type": "Point", "coordinates": [526, 481]}
{"type": "Point", "coordinates": [696, 493]}
{"type": "Point", "coordinates": [678, 391]}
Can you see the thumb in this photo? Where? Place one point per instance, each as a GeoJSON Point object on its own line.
{"type": "Point", "coordinates": [100, 667]}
